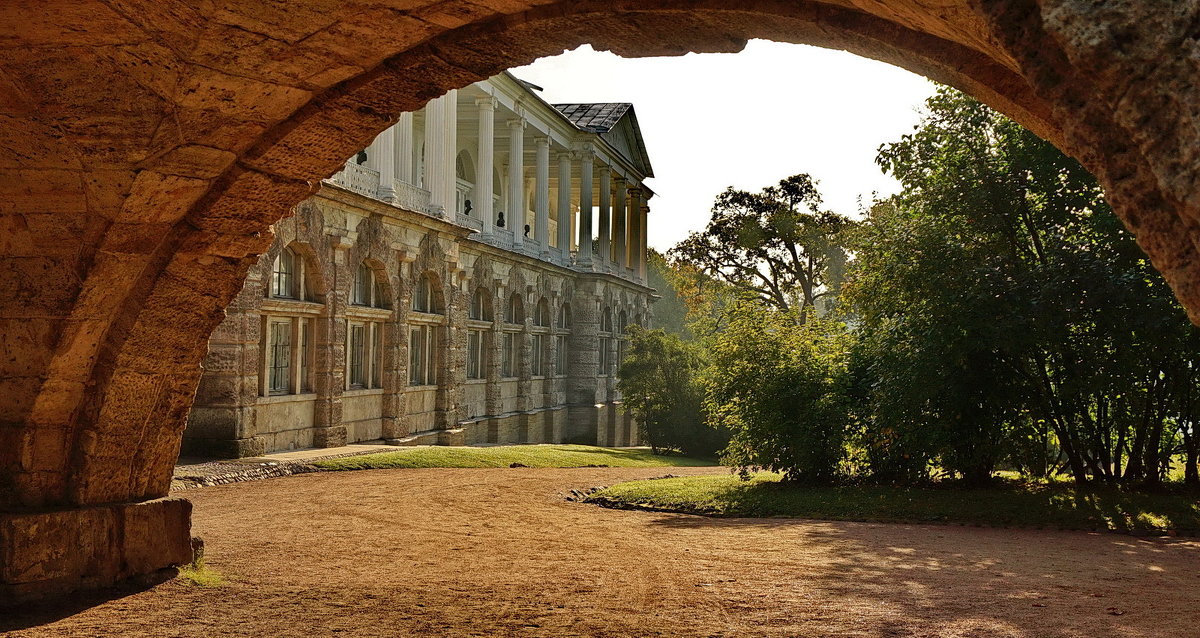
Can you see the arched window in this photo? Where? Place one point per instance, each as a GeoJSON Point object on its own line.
{"type": "Point", "coordinates": [481, 308]}
{"type": "Point", "coordinates": [515, 311]}
{"type": "Point", "coordinates": [541, 318]}
{"type": "Point", "coordinates": [424, 297]}
{"type": "Point", "coordinates": [368, 288]}
{"type": "Point", "coordinates": [286, 275]}
{"type": "Point", "coordinates": [564, 317]}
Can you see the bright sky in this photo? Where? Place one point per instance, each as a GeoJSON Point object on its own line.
{"type": "Point", "coordinates": [746, 120]}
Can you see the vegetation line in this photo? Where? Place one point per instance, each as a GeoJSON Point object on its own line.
{"type": "Point", "coordinates": [562, 456]}
{"type": "Point", "coordinates": [1007, 505]}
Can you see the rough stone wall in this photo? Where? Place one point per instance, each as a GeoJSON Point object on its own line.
{"type": "Point", "coordinates": [147, 145]}
{"type": "Point", "coordinates": [333, 233]}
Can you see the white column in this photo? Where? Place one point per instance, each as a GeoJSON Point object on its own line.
{"type": "Point", "coordinates": [564, 205]}
{"type": "Point", "coordinates": [385, 148]}
{"type": "Point", "coordinates": [404, 148]}
{"type": "Point", "coordinates": [585, 207]}
{"type": "Point", "coordinates": [603, 250]}
{"type": "Point", "coordinates": [619, 228]}
{"type": "Point", "coordinates": [541, 195]}
{"type": "Point", "coordinates": [635, 207]}
{"type": "Point", "coordinates": [515, 218]}
{"type": "Point", "coordinates": [644, 217]}
{"type": "Point", "coordinates": [450, 134]}
{"type": "Point", "coordinates": [435, 155]}
{"type": "Point", "coordinates": [483, 163]}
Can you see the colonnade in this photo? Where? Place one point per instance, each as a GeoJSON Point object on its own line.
{"type": "Point", "coordinates": [586, 173]}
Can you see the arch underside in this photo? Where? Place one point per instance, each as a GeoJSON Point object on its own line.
{"type": "Point", "coordinates": [147, 147]}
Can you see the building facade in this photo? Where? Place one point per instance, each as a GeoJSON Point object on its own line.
{"type": "Point", "coordinates": [444, 288]}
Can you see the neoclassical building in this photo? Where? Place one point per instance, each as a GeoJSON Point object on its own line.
{"type": "Point", "coordinates": [467, 278]}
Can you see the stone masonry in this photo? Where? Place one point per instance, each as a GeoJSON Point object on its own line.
{"type": "Point", "coordinates": [148, 146]}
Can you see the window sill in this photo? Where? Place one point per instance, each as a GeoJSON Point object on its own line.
{"type": "Point", "coordinates": [478, 381]}
{"type": "Point", "coordinates": [370, 312]}
{"type": "Point", "coordinates": [361, 392]}
{"type": "Point", "coordinates": [287, 398]}
{"type": "Point", "coordinates": [291, 306]}
{"type": "Point", "coordinates": [422, 388]}
{"type": "Point", "coordinates": [425, 318]}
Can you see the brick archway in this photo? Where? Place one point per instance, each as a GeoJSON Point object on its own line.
{"type": "Point", "coordinates": [146, 147]}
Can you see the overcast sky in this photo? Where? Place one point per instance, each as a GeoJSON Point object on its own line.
{"type": "Point", "coordinates": [746, 120]}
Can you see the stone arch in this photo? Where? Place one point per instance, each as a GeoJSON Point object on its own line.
{"type": "Point", "coordinates": [541, 313]}
{"type": "Point", "coordinates": [383, 294]}
{"type": "Point", "coordinates": [315, 280]}
{"type": "Point", "coordinates": [130, 237]}
{"type": "Point", "coordinates": [514, 310]}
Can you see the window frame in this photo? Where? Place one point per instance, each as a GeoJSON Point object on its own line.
{"type": "Point", "coordinates": [297, 368]}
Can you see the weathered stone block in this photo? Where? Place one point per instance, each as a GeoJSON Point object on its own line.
{"type": "Point", "coordinates": [47, 553]}
{"type": "Point", "coordinates": [332, 436]}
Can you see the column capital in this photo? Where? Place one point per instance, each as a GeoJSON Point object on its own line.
{"type": "Point", "coordinates": [584, 151]}
{"type": "Point", "coordinates": [542, 140]}
{"type": "Point", "coordinates": [488, 103]}
{"type": "Point", "coordinates": [517, 122]}
{"type": "Point", "coordinates": [562, 155]}
{"type": "Point", "coordinates": [618, 179]}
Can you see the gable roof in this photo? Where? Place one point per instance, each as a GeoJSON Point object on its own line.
{"type": "Point", "coordinates": [597, 118]}
{"type": "Point", "coordinates": [616, 122]}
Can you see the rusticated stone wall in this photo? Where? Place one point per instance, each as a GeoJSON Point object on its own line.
{"type": "Point", "coordinates": [234, 414]}
{"type": "Point", "coordinates": [147, 145]}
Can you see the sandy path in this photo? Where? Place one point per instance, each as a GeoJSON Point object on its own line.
{"type": "Point", "coordinates": [499, 552]}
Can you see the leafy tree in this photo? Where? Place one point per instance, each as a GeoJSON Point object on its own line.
{"type": "Point", "coordinates": [1008, 316]}
{"type": "Point", "coordinates": [658, 379]}
{"type": "Point", "coordinates": [670, 310]}
{"type": "Point", "coordinates": [779, 386]}
{"type": "Point", "coordinates": [776, 245]}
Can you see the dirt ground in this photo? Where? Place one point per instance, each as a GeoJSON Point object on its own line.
{"type": "Point", "coordinates": [499, 552]}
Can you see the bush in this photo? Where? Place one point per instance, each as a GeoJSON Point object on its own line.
{"type": "Point", "coordinates": [778, 382]}
{"type": "Point", "coordinates": [658, 381]}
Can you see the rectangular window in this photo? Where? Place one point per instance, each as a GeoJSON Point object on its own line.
{"type": "Point", "coordinates": [305, 355]}
{"type": "Point", "coordinates": [605, 356]}
{"type": "Point", "coordinates": [422, 356]}
{"type": "Point", "coordinates": [376, 355]}
{"type": "Point", "coordinates": [508, 365]}
{"type": "Point", "coordinates": [560, 354]}
{"type": "Point", "coordinates": [280, 350]}
{"type": "Point", "coordinates": [416, 356]}
{"type": "Point", "coordinates": [357, 356]}
{"type": "Point", "coordinates": [538, 354]}
{"type": "Point", "coordinates": [475, 354]}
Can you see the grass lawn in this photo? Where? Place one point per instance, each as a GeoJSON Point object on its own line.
{"type": "Point", "coordinates": [1056, 506]}
{"type": "Point", "coordinates": [505, 456]}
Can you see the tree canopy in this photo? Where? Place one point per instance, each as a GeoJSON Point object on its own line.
{"type": "Point", "coordinates": [776, 245]}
